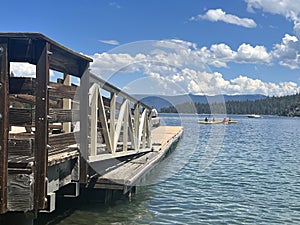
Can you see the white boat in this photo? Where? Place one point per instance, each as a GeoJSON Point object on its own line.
{"type": "Point", "coordinates": [254, 116]}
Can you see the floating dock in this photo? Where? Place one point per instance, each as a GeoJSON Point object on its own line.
{"type": "Point", "coordinates": [128, 175]}
{"type": "Point", "coordinates": [54, 133]}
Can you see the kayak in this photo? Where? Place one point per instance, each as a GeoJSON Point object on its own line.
{"type": "Point", "coordinates": [218, 122]}
{"type": "Point", "coordinates": [210, 122]}
{"type": "Point", "coordinates": [232, 121]}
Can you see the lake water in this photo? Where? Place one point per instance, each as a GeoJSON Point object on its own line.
{"type": "Point", "coordinates": [245, 173]}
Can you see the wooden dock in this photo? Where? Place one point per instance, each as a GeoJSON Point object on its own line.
{"type": "Point", "coordinates": [53, 132]}
{"type": "Point", "coordinates": [127, 175]}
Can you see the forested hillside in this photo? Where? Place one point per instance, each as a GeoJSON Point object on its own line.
{"type": "Point", "coordinates": [282, 106]}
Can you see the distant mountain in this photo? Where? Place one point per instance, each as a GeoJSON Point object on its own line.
{"type": "Point", "coordinates": [161, 101]}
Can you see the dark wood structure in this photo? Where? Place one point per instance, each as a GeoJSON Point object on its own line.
{"type": "Point", "coordinates": [49, 153]}
{"type": "Point", "coordinates": [26, 158]}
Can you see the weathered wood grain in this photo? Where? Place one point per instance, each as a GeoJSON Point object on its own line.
{"type": "Point", "coordinates": [20, 192]}
{"type": "Point", "coordinates": [22, 147]}
{"type": "Point", "coordinates": [4, 104]}
{"type": "Point", "coordinates": [61, 140]}
{"type": "Point", "coordinates": [19, 117]}
{"type": "Point", "coordinates": [26, 85]}
{"type": "Point", "coordinates": [30, 99]}
{"type": "Point", "coordinates": [129, 173]}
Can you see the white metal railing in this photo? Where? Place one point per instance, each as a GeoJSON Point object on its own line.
{"type": "Point", "coordinates": [134, 123]}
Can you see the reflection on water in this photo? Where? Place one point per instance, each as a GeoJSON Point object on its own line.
{"type": "Point", "coordinates": [253, 178]}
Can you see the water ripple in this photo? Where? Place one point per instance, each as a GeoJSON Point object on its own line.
{"type": "Point", "coordinates": [253, 179]}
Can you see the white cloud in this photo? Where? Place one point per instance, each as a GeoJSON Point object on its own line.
{"type": "Point", "coordinates": [24, 69]}
{"type": "Point", "coordinates": [288, 52]}
{"type": "Point", "coordinates": [215, 15]}
{"type": "Point", "coordinates": [110, 42]}
{"type": "Point", "coordinates": [249, 54]}
{"type": "Point", "coordinates": [290, 9]}
{"type": "Point", "coordinates": [115, 5]}
{"type": "Point", "coordinates": [178, 54]}
{"type": "Point", "coordinates": [214, 83]}
{"type": "Point", "coordinates": [109, 63]}
{"type": "Point", "coordinates": [244, 84]}
{"type": "Point", "coordinates": [220, 54]}
{"type": "Point", "coordinates": [177, 66]}
{"type": "Point", "coordinates": [176, 62]}
{"type": "Point", "coordinates": [222, 51]}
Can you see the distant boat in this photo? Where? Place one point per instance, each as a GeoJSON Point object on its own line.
{"type": "Point", "coordinates": [210, 122]}
{"type": "Point", "coordinates": [254, 116]}
{"type": "Point", "coordinates": [231, 122]}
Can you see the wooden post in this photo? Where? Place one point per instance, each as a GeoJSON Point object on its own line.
{"type": "Point", "coordinates": [67, 103]}
{"type": "Point", "coordinates": [41, 127]}
{"type": "Point", "coordinates": [84, 133]}
{"type": "Point", "coordinates": [4, 104]}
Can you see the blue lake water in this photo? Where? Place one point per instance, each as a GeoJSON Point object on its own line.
{"type": "Point", "coordinates": [245, 173]}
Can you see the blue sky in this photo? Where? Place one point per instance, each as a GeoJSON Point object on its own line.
{"type": "Point", "coordinates": [249, 46]}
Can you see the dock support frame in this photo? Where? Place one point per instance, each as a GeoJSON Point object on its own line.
{"type": "Point", "coordinates": [41, 134]}
{"type": "Point", "coordinates": [4, 128]}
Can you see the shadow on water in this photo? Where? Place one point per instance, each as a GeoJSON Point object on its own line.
{"type": "Point", "coordinates": [90, 201]}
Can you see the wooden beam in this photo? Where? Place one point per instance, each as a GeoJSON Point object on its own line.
{"type": "Point", "coordinates": [67, 103]}
{"type": "Point", "coordinates": [62, 140]}
{"type": "Point", "coordinates": [41, 126]}
{"type": "Point", "coordinates": [63, 115]}
{"type": "Point", "coordinates": [22, 144]}
{"type": "Point", "coordinates": [22, 117]}
{"type": "Point", "coordinates": [84, 121]}
{"type": "Point", "coordinates": [21, 147]}
{"type": "Point", "coordinates": [23, 49]}
{"type": "Point", "coordinates": [62, 91]}
{"type": "Point", "coordinates": [26, 85]}
{"type": "Point", "coordinates": [22, 85]}
{"type": "Point", "coordinates": [4, 129]}
{"type": "Point", "coordinates": [30, 99]}
{"type": "Point", "coordinates": [19, 117]}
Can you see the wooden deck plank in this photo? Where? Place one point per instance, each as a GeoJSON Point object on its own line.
{"type": "Point", "coordinates": [129, 173]}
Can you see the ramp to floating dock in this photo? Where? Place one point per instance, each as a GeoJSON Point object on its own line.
{"type": "Point", "coordinates": [128, 174]}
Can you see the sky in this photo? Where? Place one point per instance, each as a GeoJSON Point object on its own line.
{"type": "Point", "coordinates": [173, 46]}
